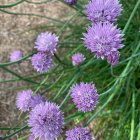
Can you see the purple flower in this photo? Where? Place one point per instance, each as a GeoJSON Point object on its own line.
{"type": "Point", "coordinates": [103, 10]}
{"type": "Point", "coordinates": [42, 62]}
{"type": "Point", "coordinates": [113, 58]}
{"type": "Point", "coordinates": [16, 55]}
{"type": "Point", "coordinates": [47, 42]}
{"type": "Point", "coordinates": [84, 96]}
{"type": "Point", "coordinates": [77, 59]}
{"type": "Point", "coordinates": [46, 121]}
{"type": "Point", "coordinates": [36, 99]}
{"type": "Point", "coordinates": [78, 134]}
{"type": "Point", "coordinates": [71, 2]}
{"type": "Point", "coordinates": [23, 100]}
{"type": "Point", "coordinates": [104, 40]}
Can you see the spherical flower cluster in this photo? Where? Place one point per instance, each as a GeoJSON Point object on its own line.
{"type": "Point", "coordinates": [104, 40]}
{"type": "Point", "coordinates": [71, 2]}
{"type": "Point", "coordinates": [78, 134]}
{"type": "Point", "coordinates": [25, 100]}
{"type": "Point", "coordinates": [46, 121]}
{"type": "Point", "coordinates": [103, 10]}
{"type": "Point", "coordinates": [77, 59]}
{"type": "Point", "coordinates": [47, 42]}
{"type": "Point", "coordinates": [84, 96]}
{"type": "Point", "coordinates": [16, 55]}
{"type": "Point", "coordinates": [42, 62]}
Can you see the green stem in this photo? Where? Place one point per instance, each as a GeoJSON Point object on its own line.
{"type": "Point", "coordinates": [15, 74]}
{"type": "Point", "coordinates": [16, 132]}
{"type": "Point", "coordinates": [42, 83]}
{"type": "Point", "coordinates": [73, 116]}
{"type": "Point", "coordinates": [60, 61]}
{"type": "Point", "coordinates": [96, 113]}
{"type": "Point", "coordinates": [131, 16]}
{"type": "Point", "coordinates": [118, 83]}
{"type": "Point", "coordinates": [74, 79]}
{"type": "Point", "coordinates": [39, 2]}
{"type": "Point", "coordinates": [24, 138]}
{"type": "Point", "coordinates": [133, 117]}
{"type": "Point", "coordinates": [15, 128]}
{"type": "Point", "coordinates": [32, 14]}
{"type": "Point", "coordinates": [12, 5]}
{"type": "Point", "coordinates": [138, 137]}
{"type": "Point", "coordinates": [18, 79]}
{"type": "Point", "coordinates": [10, 63]}
{"type": "Point", "coordinates": [56, 81]}
{"type": "Point", "coordinates": [59, 92]}
{"type": "Point", "coordinates": [129, 58]}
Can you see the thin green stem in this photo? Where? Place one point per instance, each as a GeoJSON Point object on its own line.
{"type": "Point", "coordinates": [56, 81]}
{"type": "Point", "coordinates": [96, 113]}
{"type": "Point", "coordinates": [133, 117]}
{"type": "Point", "coordinates": [118, 83]}
{"type": "Point", "coordinates": [12, 5]}
{"type": "Point", "coordinates": [59, 92]}
{"type": "Point", "coordinates": [15, 128]}
{"type": "Point", "coordinates": [24, 138]}
{"type": "Point", "coordinates": [16, 132]}
{"type": "Point", "coordinates": [129, 58]}
{"type": "Point", "coordinates": [10, 63]}
{"type": "Point", "coordinates": [15, 74]}
{"type": "Point", "coordinates": [131, 16]}
{"type": "Point", "coordinates": [73, 116]}
{"type": "Point", "coordinates": [74, 79]}
{"type": "Point", "coordinates": [38, 2]}
{"type": "Point", "coordinates": [41, 84]}
{"type": "Point", "coordinates": [138, 137]}
{"type": "Point", "coordinates": [60, 61]}
{"type": "Point", "coordinates": [32, 14]}
{"type": "Point", "coordinates": [18, 79]}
